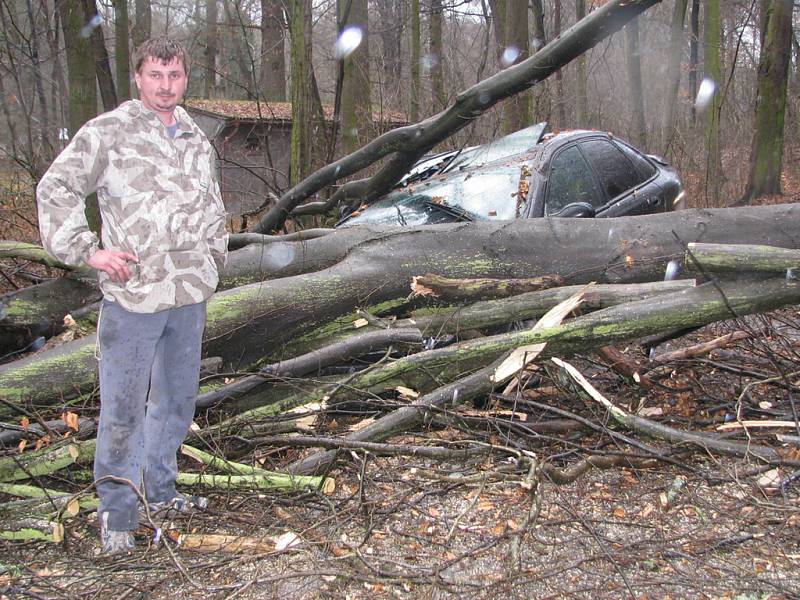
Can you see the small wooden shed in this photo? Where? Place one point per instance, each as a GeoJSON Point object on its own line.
{"type": "Point", "coordinates": [253, 141]}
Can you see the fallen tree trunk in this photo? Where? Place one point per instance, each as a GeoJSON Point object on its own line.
{"type": "Point", "coordinates": [430, 370]}
{"type": "Point", "coordinates": [251, 322]}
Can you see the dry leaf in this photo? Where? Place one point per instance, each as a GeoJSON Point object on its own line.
{"type": "Point", "coordinates": [619, 512]}
{"type": "Point", "coordinates": [647, 511]}
{"type": "Point", "coordinates": [434, 512]}
{"type": "Point", "coordinates": [286, 540]}
{"type": "Point", "coordinates": [21, 445]}
{"type": "Point", "coordinates": [24, 422]}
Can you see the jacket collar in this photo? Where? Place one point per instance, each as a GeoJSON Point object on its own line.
{"type": "Point", "coordinates": [137, 109]}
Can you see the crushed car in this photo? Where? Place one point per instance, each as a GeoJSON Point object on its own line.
{"type": "Point", "coordinates": [529, 174]}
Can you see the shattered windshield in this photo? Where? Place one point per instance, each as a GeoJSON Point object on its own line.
{"type": "Point", "coordinates": [480, 183]}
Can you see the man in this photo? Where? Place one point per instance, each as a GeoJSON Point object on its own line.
{"type": "Point", "coordinates": [163, 243]}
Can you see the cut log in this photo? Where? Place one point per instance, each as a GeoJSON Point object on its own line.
{"type": "Point", "coordinates": [45, 461]}
{"type": "Point", "coordinates": [742, 258]}
{"type": "Point", "coordinates": [243, 320]}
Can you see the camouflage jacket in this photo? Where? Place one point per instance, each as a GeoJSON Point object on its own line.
{"type": "Point", "coordinates": [159, 200]}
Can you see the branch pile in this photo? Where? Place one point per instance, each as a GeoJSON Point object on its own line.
{"type": "Point", "coordinates": [374, 346]}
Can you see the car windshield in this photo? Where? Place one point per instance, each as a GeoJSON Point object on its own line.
{"type": "Point", "coordinates": [480, 183]}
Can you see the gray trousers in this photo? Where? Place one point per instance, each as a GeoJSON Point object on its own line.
{"type": "Point", "coordinates": [149, 368]}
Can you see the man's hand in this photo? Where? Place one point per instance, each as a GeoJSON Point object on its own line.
{"type": "Point", "coordinates": [114, 263]}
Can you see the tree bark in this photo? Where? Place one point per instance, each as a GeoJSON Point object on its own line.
{"type": "Point", "coordinates": [143, 25]}
{"type": "Point", "coordinates": [581, 94]}
{"type": "Point", "coordinates": [102, 62]}
{"type": "Point", "coordinates": [517, 112]}
{"type": "Point", "coordinates": [676, 41]}
{"type": "Point", "coordinates": [251, 322]}
{"type": "Point", "coordinates": [211, 50]}
{"type": "Point", "coordinates": [415, 42]}
{"type": "Point", "coordinates": [436, 56]}
{"type": "Point", "coordinates": [272, 80]}
{"type": "Point", "coordinates": [356, 107]}
{"type": "Point", "coordinates": [634, 64]}
{"type": "Point", "coordinates": [766, 153]}
{"type": "Point", "coordinates": [713, 70]}
{"type": "Point", "coordinates": [122, 55]}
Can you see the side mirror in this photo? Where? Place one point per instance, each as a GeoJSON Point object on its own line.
{"type": "Point", "coordinates": [579, 210]}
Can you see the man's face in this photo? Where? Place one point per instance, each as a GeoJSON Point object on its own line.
{"type": "Point", "coordinates": [161, 86]}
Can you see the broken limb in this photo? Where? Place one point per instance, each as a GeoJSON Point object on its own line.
{"type": "Point", "coordinates": [708, 443]}
{"type": "Point", "coordinates": [479, 289]}
{"type": "Point", "coordinates": [275, 481]}
{"type": "Point", "coordinates": [702, 348]}
{"type": "Point", "coordinates": [743, 258]}
{"type": "Point", "coordinates": [352, 347]}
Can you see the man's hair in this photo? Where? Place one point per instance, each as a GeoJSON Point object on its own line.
{"type": "Point", "coordinates": [163, 49]}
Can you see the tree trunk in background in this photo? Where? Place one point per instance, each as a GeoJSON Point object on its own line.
{"type": "Point", "coordinates": [144, 18]}
{"type": "Point", "coordinates": [80, 66]}
{"type": "Point", "coordinates": [498, 23]}
{"type": "Point", "coordinates": [694, 43]}
{"type": "Point", "coordinates": [713, 70]}
{"type": "Point", "coordinates": [82, 81]}
{"type": "Point", "coordinates": [272, 80]}
{"type": "Point", "coordinates": [390, 30]}
{"type": "Point", "coordinates": [436, 58]}
{"type": "Point", "coordinates": [122, 55]}
{"type": "Point", "coordinates": [356, 107]}
{"type": "Point", "coordinates": [634, 64]}
{"type": "Point", "coordinates": [766, 154]}
{"type": "Point", "coordinates": [539, 35]}
{"type": "Point", "coordinates": [560, 111]}
{"type": "Point", "coordinates": [303, 90]}
{"type": "Point", "coordinates": [673, 72]}
{"type": "Point", "coordinates": [102, 62]}
{"type": "Point", "coordinates": [581, 100]}
{"type": "Point", "coordinates": [211, 50]}
{"type": "Point", "coordinates": [415, 43]}
{"type": "Point", "coordinates": [517, 110]}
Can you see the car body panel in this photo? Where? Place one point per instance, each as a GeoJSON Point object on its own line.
{"type": "Point", "coordinates": [529, 175]}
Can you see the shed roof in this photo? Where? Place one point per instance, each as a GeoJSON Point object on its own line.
{"type": "Point", "coordinates": [250, 110]}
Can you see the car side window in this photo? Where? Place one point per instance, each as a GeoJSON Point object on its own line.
{"type": "Point", "coordinates": [615, 170]}
{"type": "Point", "coordinates": [570, 180]}
{"type": "Point", "coordinates": [643, 166]}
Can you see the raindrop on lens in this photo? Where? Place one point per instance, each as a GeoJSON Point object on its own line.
{"type": "Point", "coordinates": [428, 62]}
{"type": "Point", "coordinates": [705, 94]}
{"type": "Point", "coordinates": [348, 41]}
{"type": "Point", "coordinates": [483, 98]}
{"type": "Point", "coordinates": [510, 54]}
{"type": "Point", "coordinates": [86, 30]}
{"type": "Point", "coordinates": [673, 268]}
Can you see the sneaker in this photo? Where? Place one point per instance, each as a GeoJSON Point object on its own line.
{"type": "Point", "coordinates": [113, 541]}
{"type": "Point", "coordinates": [181, 504]}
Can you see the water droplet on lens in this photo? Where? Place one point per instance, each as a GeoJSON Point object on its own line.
{"type": "Point", "coordinates": [87, 29]}
{"type": "Point", "coordinates": [672, 271]}
{"type": "Point", "coordinates": [484, 98]}
{"type": "Point", "coordinates": [510, 54]}
{"type": "Point", "coordinates": [348, 41]}
{"type": "Point", "coordinates": [705, 94]}
{"type": "Point", "coordinates": [427, 62]}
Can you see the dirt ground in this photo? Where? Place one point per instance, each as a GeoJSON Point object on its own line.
{"type": "Point", "coordinates": [665, 521]}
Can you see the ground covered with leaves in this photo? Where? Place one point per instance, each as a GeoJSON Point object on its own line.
{"type": "Point", "coordinates": [553, 499]}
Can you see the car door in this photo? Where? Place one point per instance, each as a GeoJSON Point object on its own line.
{"type": "Point", "coordinates": [624, 185]}
{"type": "Point", "coordinates": [570, 180]}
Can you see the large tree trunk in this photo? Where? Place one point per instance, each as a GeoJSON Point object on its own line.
{"type": "Point", "coordinates": [356, 108]}
{"type": "Point", "coordinates": [713, 70]}
{"type": "Point", "coordinates": [581, 93]}
{"type": "Point", "coordinates": [634, 64]}
{"type": "Point", "coordinates": [415, 43]}
{"type": "Point", "coordinates": [122, 55]}
{"type": "Point", "coordinates": [676, 41]}
{"type": "Point", "coordinates": [248, 323]}
{"type": "Point", "coordinates": [517, 110]}
{"type": "Point", "coordinates": [272, 81]}
{"type": "Point", "coordinates": [436, 56]}
{"type": "Point", "coordinates": [766, 153]}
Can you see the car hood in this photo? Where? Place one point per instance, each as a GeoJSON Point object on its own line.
{"type": "Point", "coordinates": [478, 183]}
